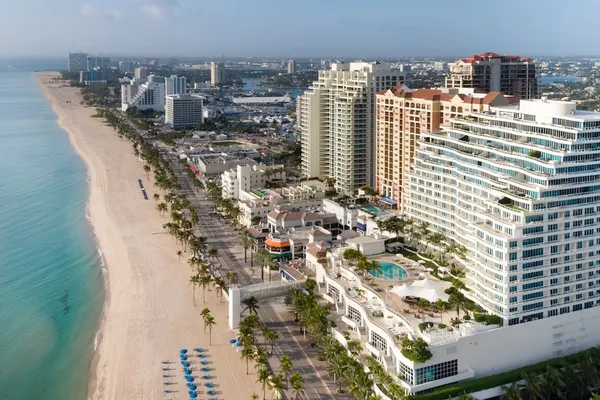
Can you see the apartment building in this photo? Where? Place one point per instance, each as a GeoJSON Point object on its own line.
{"type": "Point", "coordinates": [517, 186]}
{"type": "Point", "coordinates": [291, 67]}
{"type": "Point", "coordinates": [141, 73]}
{"type": "Point", "coordinates": [402, 114]}
{"type": "Point", "coordinates": [217, 74]}
{"type": "Point", "coordinates": [245, 178]}
{"type": "Point", "coordinates": [77, 62]}
{"type": "Point", "coordinates": [183, 110]}
{"type": "Point", "coordinates": [175, 85]}
{"type": "Point", "coordinates": [144, 96]}
{"type": "Point", "coordinates": [99, 62]}
{"type": "Point", "coordinates": [492, 72]}
{"type": "Point", "coordinates": [337, 122]}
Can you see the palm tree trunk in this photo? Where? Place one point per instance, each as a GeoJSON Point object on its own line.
{"type": "Point", "coordinates": [194, 294]}
{"type": "Point", "coordinates": [245, 254]}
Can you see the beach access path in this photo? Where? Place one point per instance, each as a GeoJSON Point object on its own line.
{"type": "Point", "coordinates": [149, 314]}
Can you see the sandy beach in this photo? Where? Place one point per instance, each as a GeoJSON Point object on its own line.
{"type": "Point", "coordinates": [149, 314]}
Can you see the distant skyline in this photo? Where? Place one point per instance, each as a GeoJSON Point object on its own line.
{"type": "Point", "coordinates": [311, 28]}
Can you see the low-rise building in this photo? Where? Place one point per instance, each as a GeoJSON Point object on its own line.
{"type": "Point", "coordinates": [248, 177]}
{"type": "Point", "coordinates": [281, 221]}
{"type": "Point", "coordinates": [214, 164]}
{"type": "Point", "coordinates": [292, 244]}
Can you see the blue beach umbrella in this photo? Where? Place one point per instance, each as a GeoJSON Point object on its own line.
{"type": "Point", "coordinates": [187, 371]}
{"type": "Point", "coordinates": [183, 351]}
{"type": "Point", "coordinates": [184, 358]}
{"type": "Point", "coordinates": [189, 378]}
{"type": "Point", "coordinates": [232, 341]}
{"type": "Point", "coordinates": [185, 364]}
{"type": "Point", "coordinates": [199, 349]}
{"type": "Point", "coordinates": [203, 362]}
{"type": "Point", "coordinates": [193, 395]}
{"type": "Point", "coordinates": [191, 386]}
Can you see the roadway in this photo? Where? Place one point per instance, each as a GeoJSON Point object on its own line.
{"type": "Point", "coordinates": [221, 235]}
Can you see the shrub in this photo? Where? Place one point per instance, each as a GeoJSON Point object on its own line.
{"type": "Point", "coordinates": [416, 350]}
{"type": "Point", "coordinates": [535, 153]}
{"type": "Point", "coordinates": [442, 326]}
{"type": "Point", "coordinates": [425, 325]}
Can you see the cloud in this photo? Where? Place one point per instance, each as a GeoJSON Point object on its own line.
{"type": "Point", "coordinates": [161, 10]}
{"type": "Point", "coordinates": [87, 10]}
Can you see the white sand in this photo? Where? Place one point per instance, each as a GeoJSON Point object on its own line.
{"type": "Point", "coordinates": [149, 314]}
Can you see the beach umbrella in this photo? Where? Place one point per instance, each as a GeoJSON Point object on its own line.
{"type": "Point", "coordinates": [193, 395]}
{"type": "Point", "coordinates": [183, 351]}
{"type": "Point", "coordinates": [185, 364]}
{"type": "Point", "coordinates": [191, 386]}
{"type": "Point", "coordinates": [203, 362]}
{"type": "Point", "coordinates": [187, 371]}
{"type": "Point", "coordinates": [199, 349]}
{"type": "Point", "coordinates": [184, 358]}
{"type": "Point", "coordinates": [232, 341]}
{"type": "Point", "coordinates": [189, 378]}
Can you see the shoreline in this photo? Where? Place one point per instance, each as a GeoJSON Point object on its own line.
{"type": "Point", "coordinates": [100, 324]}
{"type": "Point", "coordinates": [148, 313]}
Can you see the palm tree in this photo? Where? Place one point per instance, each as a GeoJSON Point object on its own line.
{"type": "Point", "coordinates": [466, 396]}
{"type": "Point", "coordinates": [247, 354]}
{"type": "Point", "coordinates": [205, 281]}
{"type": "Point", "coordinates": [286, 368]}
{"type": "Point", "coordinates": [297, 382]}
{"type": "Point", "coordinates": [194, 281]}
{"type": "Point", "coordinates": [552, 383]}
{"type": "Point", "coordinates": [532, 385]}
{"type": "Point", "coordinates": [251, 304]}
{"type": "Point", "coordinates": [213, 253]}
{"type": "Point", "coordinates": [263, 378]}
{"type": "Point", "coordinates": [232, 277]}
{"type": "Point", "coordinates": [156, 197]}
{"type": "Point", "coordinates": [147, 170]}
{"type": "Point", "coordinates": [277, 386]}
{"type": "Point", "coordinates": [512, 392]}
{"type": "Point", "coordinates": [337, 367]}
{"type": "Point", "coordinates": [595, 396]}
{"type": "Point", "coordinates": [221, 286]}
{"type": "Point", "coordinates": [209, 322]}
{"type": "Point", "coordinates": [254, 396]}
{"type": "Point", "coordinates": [436, 239]}
{"type": "Point", "coordinates": [247, 243]}
{"type": "Point", "coordinates": [162, 208]}
{"type": "Point", "coordinates": [272, 339]}
{"type": "Point", "coordinates": [179, 254]}
{"type": "Point", "coordinates": [441, 306]}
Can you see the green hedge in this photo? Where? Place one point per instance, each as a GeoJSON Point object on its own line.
{"type": "Point", "coordinates": [489, 382]}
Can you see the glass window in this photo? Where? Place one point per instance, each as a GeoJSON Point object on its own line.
{"type": "Point", "coordinates": [436, 372]}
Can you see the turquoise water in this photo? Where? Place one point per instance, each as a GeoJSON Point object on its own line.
{"type": "Point", "coordinates": [374, 210]}
{"type": "Point", "coordinates": [51, 286]}
{"type": "Point", "coordinates": [389, 271]}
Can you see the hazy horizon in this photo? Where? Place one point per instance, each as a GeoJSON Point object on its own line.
{"type": "Point", "coordinates": [277, 29]}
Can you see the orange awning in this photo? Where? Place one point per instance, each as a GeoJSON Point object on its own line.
{"type": "Point", "coordinates": [273, 243]}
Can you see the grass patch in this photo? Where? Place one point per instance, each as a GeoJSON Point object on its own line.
{"type": "Point", "coordinates": [516, 208]}
{"type": "Point", "coordinates": [503, 379]}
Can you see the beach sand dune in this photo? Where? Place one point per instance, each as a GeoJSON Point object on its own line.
{"type": "Point", "coordinates": [149, 313]}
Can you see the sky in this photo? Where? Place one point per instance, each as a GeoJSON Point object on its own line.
{"type": "Point", "coordinates": [300, 28]}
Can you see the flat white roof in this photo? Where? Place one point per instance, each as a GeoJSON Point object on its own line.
{"type": "Point", "coordinates": [262, 100]}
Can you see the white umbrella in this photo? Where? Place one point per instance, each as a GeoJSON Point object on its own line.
{"type": "Point", "coordinates": [424, 289]}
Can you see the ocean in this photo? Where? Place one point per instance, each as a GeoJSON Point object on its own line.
{"type": "Point", "coordinates": [51, 282]}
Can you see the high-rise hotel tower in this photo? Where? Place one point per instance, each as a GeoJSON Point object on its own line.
{"type": "Point", "coordinates": [519, 186]}
{"type": "Point", "coordinates": [336, 119]}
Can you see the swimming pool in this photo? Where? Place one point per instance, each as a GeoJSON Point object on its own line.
{"type": "Point", "coordinates": [374, 210]}
{"type": "Point", "coordinates": [390, 271]}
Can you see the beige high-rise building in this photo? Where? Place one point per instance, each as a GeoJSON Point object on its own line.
{"type": "Point", "coordinates": [403, 114]}
{"type": "Point", "coordinates": [291, 67]}
{"type": "Point", "coordinates": [217, 73]}
{"type": "Point", "coordinates": [492, 72]}
{"type": "Point", "coordinates": [141, 73]}
{"type": "Point", "coordinates": [337, 122]}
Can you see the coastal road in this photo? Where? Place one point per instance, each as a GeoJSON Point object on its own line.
{"type": "Point", "coordinates": [220, 234]}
